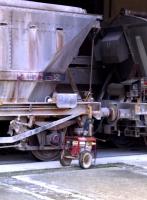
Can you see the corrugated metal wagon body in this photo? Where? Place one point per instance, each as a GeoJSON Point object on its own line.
{"type": "Point", "coordinates": [37, 44]}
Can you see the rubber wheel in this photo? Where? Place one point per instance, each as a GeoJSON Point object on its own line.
{"type": "Point", "coordinates": [85, 159]}
{"type": "Point", "coordinates": [63, 160]}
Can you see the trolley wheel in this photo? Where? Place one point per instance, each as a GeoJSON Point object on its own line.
{"type": "Point", "coordinates": [85, 159]}
{"type": "Point", "coordinates": [64, 161]}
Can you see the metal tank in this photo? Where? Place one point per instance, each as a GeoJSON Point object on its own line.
{"type": "Point", "coordinates": [37, 43]}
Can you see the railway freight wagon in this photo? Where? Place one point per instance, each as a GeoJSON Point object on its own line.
{"type": "Point", "coordinates": [122, 49]}
{"type": "Point", "coordinates": [37, 44]}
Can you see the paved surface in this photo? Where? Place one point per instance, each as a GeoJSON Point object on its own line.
{"type": "Point", "coordinates": [117, 175]}
{"type": "Point", "coordinates": [21, 162]}
{"type": "Point", "coordinates": [104, 183]}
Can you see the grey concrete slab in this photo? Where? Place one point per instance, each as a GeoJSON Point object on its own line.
{"type": "Point", "coordinates": [117, 175]}
{"type": "Point", "coordinates": [106, 183]}
{"type": "Point", "coordinates": [10, 193]}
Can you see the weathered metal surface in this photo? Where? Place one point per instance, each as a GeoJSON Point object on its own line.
{"type": "Point", "coordinates": [24, 135]}
{"type": "Point", "coordinates": [41, 6]}
{"type": "Point", "coordinates": [82, 60]}
{"type": "Point", "coordinates": [44, 109]}
{"type": "Point", "coordinates": [135, 29]}
{"type": "Point", "coordinates": [142, 52]}
{"type": "Point", "coordinates": [66, 100]}
{"type": "Point", "coordinates": [37, 38]}
{"type": "Point", "coordinates": [126, 110]}
{"type": "Point", "coordinates": [134, 13]}
{"type": "Point", "coordinates": [31, 76]}
{"type": "Point", "coordinates": [58, 127]}
{"type": "Point", "coordinates": [81, 76]}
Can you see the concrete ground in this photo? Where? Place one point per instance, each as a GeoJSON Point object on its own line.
{"type": "Point", "coordinates": [117, 175]}
{"type": "Point", "coordinates": [105, 183]}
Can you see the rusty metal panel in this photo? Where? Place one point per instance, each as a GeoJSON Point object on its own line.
{"type": "Point", "coordinates": [37, 41]}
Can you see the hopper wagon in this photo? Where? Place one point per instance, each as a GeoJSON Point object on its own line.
{"type": "Point", "coordinates": [37, 44]}
{"type": "Point", "coordinates": [122, 52]}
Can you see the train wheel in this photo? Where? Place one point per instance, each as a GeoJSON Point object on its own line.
{"type": "Point", "coordinates": [85, 159]}
{"type": "Point", "coordinates": [125, 141]}
{"type": "Point", "coordinates": [46, 155]}
{"type": "Point", "coordinates": [64, 161]}
{"type": "Point", "coordinates": [43, 155]}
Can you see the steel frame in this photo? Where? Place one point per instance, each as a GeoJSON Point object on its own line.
{"type": "Point", "coordinates": [46, 110]}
